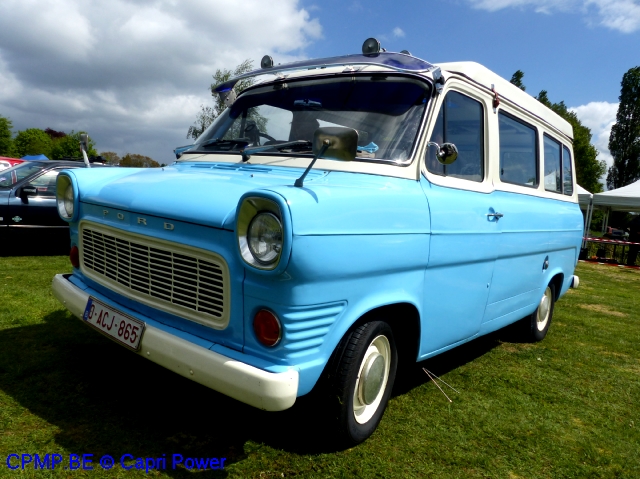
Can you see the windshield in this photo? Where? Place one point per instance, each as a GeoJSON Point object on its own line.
{"type": "Point", "coordinates": [385, 110]}
{"type": "Point", "coordinates": [11, 176]}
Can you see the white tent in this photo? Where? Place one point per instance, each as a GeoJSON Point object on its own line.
{"type": "Point", "coordinates": [584, 197]}
{"type": "Point", "coordinates": [626, 198]}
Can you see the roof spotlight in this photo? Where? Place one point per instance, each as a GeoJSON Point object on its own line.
{"type": "Point", "coordinates": [266, 62]}
{"type": "Point", "coordinates": [406, 52]}
{"type": "Point", "coordinates": [371, 46]}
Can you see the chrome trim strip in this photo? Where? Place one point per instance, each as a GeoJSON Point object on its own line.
{"type": "Point", "coordinates": [38, 226]}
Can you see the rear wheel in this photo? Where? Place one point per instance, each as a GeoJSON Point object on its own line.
{"type": "Point", "coordinates": [540, 321]}
{"type": "Point", "coordinates": [363, 379]}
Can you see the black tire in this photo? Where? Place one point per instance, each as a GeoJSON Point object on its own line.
{"type": "Point", "coordinates": [358, 409]}
{"type": "Point", "coordinates": [537, 325]}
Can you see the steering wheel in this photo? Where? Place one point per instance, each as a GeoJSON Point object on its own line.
{"type": "Point", "coordinates": [268, 137]}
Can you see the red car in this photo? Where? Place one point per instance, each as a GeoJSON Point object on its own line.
{"type": "Point", "coordinates": [9, 162]}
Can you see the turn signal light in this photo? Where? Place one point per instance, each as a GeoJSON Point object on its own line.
{"type": "Point", "coordinates": [74, 256]}
{"type": "Point", "coordinates": [267, 328]}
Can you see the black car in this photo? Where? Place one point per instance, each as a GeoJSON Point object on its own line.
{"type": "Point", "coordinates": [28, 212]}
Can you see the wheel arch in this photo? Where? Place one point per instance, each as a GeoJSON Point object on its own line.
{"type": "Point", "coordinates": [557, 280]}
{"type": "Point", "coordinates": [404, 320]}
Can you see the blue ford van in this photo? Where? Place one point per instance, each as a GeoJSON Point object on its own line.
{"type": "Point", "coordinates": [341, 213]}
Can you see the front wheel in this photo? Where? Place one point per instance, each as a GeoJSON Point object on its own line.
{"type": "Point", "coordinates": [363, 379]}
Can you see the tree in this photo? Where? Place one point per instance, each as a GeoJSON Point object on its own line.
{"type": "Point", "coordinates": [68, 146]}
{"type": "Point", "coordinates": [516, 79]}
{"type": "Point", "coordinates": [32, 141]}
{"type": "Point", "coordinates": [208, 114]}
{"type": "Point", "coordinates": [138, 161]}
{"type": "Point", "coordinates": [6, 142]}
{"type": "Point", "coordinates": [111, 157]}
{"type": "Point", "coordinates": [53, 134]}
{"type": "Point", "coordinates": [624, 141]}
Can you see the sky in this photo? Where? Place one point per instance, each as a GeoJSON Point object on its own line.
{"type": "Point", "coordinates": [133, 74]}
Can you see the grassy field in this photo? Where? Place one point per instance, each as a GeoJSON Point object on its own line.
{"type": "Point", "coordinates": [567, 407]}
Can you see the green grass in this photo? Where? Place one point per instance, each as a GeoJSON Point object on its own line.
{"type": "Point", "coordinates": [564, 408]}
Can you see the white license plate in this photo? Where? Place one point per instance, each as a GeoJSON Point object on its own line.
{"type": "Point", "coordinates": [121, 327]}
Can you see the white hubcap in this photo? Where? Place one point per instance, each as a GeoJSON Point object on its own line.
{"type": "Point", "coordinates": [372, 379]}
{"type": "Point", "coordinates": [544, 309]}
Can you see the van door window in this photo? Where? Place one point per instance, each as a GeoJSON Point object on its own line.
{"type": "Point", "coordinates": [518, 151]}
{"type": "Point", "coordinates": [552, 165]}
{"type": "Point", "coordinates": [567, 171]}
{"type": "Point", "coordinates": [459, 121]}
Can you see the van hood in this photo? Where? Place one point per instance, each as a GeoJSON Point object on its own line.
{"type": "Point", "coordinates": [208, 194]}
{"type": "Point", "coordinates": [201, 193]}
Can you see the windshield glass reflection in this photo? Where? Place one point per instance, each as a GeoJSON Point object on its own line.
{"type": "Point", "coordinates": [385, 110]}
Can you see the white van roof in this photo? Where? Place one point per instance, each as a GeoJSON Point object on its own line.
{"type": "Point", "coordinates": [485, 77]}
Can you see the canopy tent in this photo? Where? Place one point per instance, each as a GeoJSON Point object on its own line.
{"type": "Point", "coordinates": [626, 198]}
{"type": "Point", "coordinates": [585, 199]}
{"type": "Point", "coordinates": [34, 157]}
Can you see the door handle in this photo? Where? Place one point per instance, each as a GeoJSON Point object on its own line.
{"type": "Point", "coordinates": [495, 215]}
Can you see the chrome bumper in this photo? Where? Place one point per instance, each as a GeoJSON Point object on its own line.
{"type": "Point", "coordinates": [248, 384]}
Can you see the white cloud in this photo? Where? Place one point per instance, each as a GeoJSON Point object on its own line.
{"type": "Point", "coordinates": [398, 32]}
{"type": "Point", "coordinates": [134, 74]}
{"type": "Point", "coordinates": [621, 15]}
{"type": "Point", "coordinates": [599, 117]}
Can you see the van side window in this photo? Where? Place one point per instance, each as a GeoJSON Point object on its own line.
{"type": "Point", "coordinates": [552, 165]}
{"type": "Point", "coordinates": [518, 151]}
{"type": "Point", "coordinates": [459, 121]}
{"type": "Point", "coordinates": [566, 168]}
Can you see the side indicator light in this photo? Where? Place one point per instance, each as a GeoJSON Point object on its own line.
{"type": "Point", "coordinates": [267, 328]}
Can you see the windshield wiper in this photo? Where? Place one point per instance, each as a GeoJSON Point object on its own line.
{"type": "Point", "coordinates": [221, 142]}
{"type": "Point", "coordinates": [293, 145]}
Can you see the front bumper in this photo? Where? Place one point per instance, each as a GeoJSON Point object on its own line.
{"type": "Point", "coordinates": [248, 384]}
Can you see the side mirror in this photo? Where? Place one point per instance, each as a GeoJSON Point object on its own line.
{"type": "Point", "coordinates": [27, 191]}
{"type": "Point", "coordinates": [84, 142]}
{"type": "Point", "coordinates": [342, 143]}
{"type": "Point", "coordinates": [446, 154]}
{"type": "Point", "coordinates": [332, 143]}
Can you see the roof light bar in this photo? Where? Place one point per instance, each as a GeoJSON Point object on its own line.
{"type": "Point", "coordinates": [395, 61]}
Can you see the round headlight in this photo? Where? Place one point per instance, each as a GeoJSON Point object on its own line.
{"type": "Point", "coordinates": [264, 238]}
{"type": "Point", "coordinates": [68, 200]}
{"type": "Point", "coordinates": [65, 200]}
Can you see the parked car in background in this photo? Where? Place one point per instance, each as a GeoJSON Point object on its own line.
{"type": "Point", "coordinates": [345, 217]}
{"type": "Point", "coordinates": [28, 211]}
{"type": "Point", "coordinates": [9, 162]}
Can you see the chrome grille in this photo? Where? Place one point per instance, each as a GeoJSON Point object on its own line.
{"type": "Point", "coordinates": [155, 271]}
